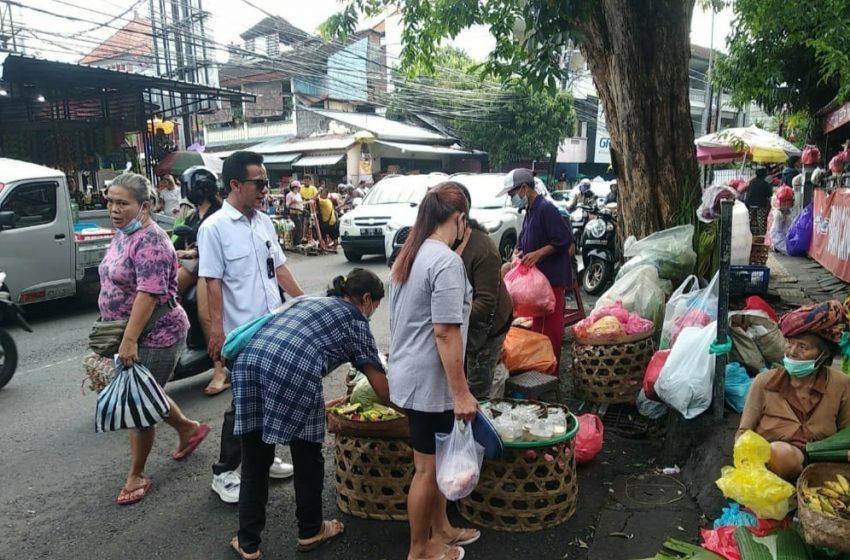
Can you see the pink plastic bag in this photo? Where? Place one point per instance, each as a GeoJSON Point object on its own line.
{"type": "Point", "coordinates": [653, 370]}
{"type": "Point", "coordinates": [589, 438]}
{"type": "Point", "coordinates": [530, 291]}
{"type": "Point", "coordinates": [721, 541]}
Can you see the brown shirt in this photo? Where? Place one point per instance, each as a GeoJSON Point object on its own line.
{"type": "Point", "coordinates": [774, 411]}
{"type": "Point", "coordinates": [492, 308]}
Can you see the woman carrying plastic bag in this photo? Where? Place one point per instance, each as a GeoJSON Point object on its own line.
{"type": "Point", "coordinates": [133, 400]}
{"type": "Point", "coordinates": [459, 459]}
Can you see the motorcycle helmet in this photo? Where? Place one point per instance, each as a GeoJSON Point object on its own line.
{"type": "Point", "coordinates": [197, 184]}
{"type": "Point", "coordinates": [584, 186]}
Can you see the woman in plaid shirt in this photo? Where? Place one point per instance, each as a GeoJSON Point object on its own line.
{"type": "Point", "coordinates": [277, 393]}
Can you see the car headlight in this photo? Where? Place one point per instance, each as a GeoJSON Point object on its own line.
{"type": "Point", "coordinates": [346, 222]}
{"type": "Point", "coordinates": [492, 226]}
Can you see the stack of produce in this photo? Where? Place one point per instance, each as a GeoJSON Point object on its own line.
{"type": "Point", "coordinates": [364, 406]}
{"type": "Point", "coordinates": [612, 321]}
{"type": "Point", "coordinates": [832, 499]}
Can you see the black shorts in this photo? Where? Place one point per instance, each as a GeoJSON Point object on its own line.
{"type": "Point", "coordinates": [328, 230]}
{"type": "Point", "coordinates": [425, 425]}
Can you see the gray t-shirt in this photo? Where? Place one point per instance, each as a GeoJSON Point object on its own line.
{"type": "Point", "coordinates": [437, 291]}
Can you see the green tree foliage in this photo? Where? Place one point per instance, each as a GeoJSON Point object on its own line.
{"type": "Point", "coordinates": [788, 55]}
{"type": "Point", "coordinates": [509, 119]}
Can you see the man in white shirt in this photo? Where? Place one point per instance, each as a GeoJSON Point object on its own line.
{"type": "Point", "coordinates": [244, 268]}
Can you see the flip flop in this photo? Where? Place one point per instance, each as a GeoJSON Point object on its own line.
{"type": "Point", "coordinates": [200, 434]}
{"type": "Point", "coordinates": [130, 501]}
{"type": "Point", "coordinates": [211, 391]}
{"type": "Point", "coordinates": [325, 535]}
{"type": "Point", "coordinates": [459, 540]}
{"type": "Point", "coordinates": [234, 544]}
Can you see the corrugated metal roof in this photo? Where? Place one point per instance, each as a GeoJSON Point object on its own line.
{"type": "Point", "coordinates": [425, 149]}
{"type": "Point", "coordinates": [281, 158]}
{"type": "Point", "coordinates": [384, 128]}
{"type": "Point", "coordinates": [319, 143]}
{"type": "Point", "coordinates": [319, 161]}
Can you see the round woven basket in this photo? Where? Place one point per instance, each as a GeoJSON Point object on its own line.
{"type": "Point", "coordinates": [526, 490]}
{"type": "Point", "coordinates": [820, 529]}
{"type": "Point", "coordinates": [373, 477]}
{"type": "Point", "coordinates": [611, 373]}
{"type": "Point", "coordinates": [396, 428]}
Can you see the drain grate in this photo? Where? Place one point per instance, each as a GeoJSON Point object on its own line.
{"type": "Point", "coordinates": [626, 421]}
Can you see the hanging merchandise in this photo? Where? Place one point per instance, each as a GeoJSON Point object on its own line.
{"type": "Point", "coordinates": [750, 483]}
{"type": "Point", "coordinates": [811, 155]}
{"type": "Point", "coordinates": [685, 382]}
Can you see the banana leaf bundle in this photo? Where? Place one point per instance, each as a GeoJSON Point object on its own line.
{"type": "Point", "coordinates": [834, 449]}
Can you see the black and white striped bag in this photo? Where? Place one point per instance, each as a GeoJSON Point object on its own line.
{"type": "Point", "coordinates": [132, 400]}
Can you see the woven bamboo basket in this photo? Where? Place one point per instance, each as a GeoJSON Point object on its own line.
{"type": "Point", "coordinates": [373, 477]}
{"type": "Point", "coordinates": [759, 251]}
{"type": "Point", "coordinates": [526, 490]}
{"type": "Point", "coordinates": [611, 373]}
{"type": "Point", "coordinates": [820, 529]}
{"type": "Point", "coordinates": [387, 429]}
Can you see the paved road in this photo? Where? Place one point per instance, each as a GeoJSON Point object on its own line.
{"type": "Point", "coordinates": [60, 479]}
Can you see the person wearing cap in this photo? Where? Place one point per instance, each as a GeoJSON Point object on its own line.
{"type": "Point", "coordinates": [585, 195]}
{"type": "Point", "coordinates": [804, 399]}
{"type": "Point", "coordinates": [545, 242]}
{"type": "Point", "coordinates": [613, 196]}
{"type": "Point", "coordinates": [295, 205]}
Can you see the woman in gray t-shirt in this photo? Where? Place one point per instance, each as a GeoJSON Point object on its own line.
{"type": "Point", "coordinates": [430, 301]}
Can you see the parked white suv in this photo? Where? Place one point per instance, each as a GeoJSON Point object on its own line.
{"type": "Point", "coordinates": [496, 214]}
{"type": "Point", "coordinates": [361, 231]}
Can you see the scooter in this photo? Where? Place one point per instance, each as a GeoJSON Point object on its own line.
{"type": "Point", "coordinates": [579, 219]}
{"type": "Point", "coordinates": [194, 359]}
{"type": "Point", "coordinates": [9, 312]}
{"type": "Point", "coordinates": [599, 251]}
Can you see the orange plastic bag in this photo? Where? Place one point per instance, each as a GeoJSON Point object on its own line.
{"type": "Point", "coordinates": [526, 350]}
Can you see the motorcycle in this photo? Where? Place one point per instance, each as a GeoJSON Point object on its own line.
{"type": "Point", "coordinates": [194, 359]}
{"type": "Point", "coordinates": [9, 312]}
{"type": "Point", "coordinates": [599, 251]}
{"type": "Point", "coordinates": [579, 219]}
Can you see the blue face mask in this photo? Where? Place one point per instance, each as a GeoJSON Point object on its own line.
{"type": "Point", "coordinates": [799, 368]}
{"type": "Point", "coordinates": [133, 225]}
{"type": "Point", "coordinates": [519, 202]}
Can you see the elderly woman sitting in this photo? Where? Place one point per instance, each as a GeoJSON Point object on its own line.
{"type": "Point", "coordinates": [804, 400]}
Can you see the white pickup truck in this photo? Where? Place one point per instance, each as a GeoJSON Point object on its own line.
{"type": "Point", "coordinates": [43, 254]}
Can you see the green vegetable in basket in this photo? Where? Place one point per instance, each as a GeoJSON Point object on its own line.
{"type": "Point", "coordinates": [364, 394]}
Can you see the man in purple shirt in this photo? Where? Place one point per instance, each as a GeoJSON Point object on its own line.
{"type": "Point", "coordinates": [545, 242]}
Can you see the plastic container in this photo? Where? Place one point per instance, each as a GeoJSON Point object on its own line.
{"type": "Point", "coordinates": [742, 237]}
{"type": "Point", "coordinates": [750, 279]}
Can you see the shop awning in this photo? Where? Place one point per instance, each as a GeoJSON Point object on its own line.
{"type": "Point", "coordinates": [319, 161]}
{"type": "Point", "coordinates": [280, 158]}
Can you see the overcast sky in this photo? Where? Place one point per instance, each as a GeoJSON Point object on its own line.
{"type": "Point", "coordinates": [232, 17]}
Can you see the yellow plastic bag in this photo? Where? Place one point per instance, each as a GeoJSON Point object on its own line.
{"type": "Point", "coordinates": [750, 483]}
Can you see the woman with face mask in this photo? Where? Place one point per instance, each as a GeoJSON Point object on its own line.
{"type": "Point", "coordinates": [277, 395]}
{"type": "Point", "coordinates": [430, 304]}
{"type": "Point", "coordinates": [803, 400]}
{"type": "Point", "coordinates": [138, 275]}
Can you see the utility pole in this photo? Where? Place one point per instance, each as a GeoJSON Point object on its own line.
{"type": "Point", "coordinates": [8, 32]}
{"type": "Point", "coordinates": [709, 90]}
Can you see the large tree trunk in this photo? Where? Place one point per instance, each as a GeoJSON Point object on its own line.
{"type": "Point", "coordinates": [638, 52]}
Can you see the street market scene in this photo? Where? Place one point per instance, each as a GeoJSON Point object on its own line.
{"type": "Point", "coordinates": [425, 280]}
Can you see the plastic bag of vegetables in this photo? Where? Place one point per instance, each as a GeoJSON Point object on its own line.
{"type": "Point", "coordinates": [640, 292]}
{"type": "Point", "coordinates": [670, 251]}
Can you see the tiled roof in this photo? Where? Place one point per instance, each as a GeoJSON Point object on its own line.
{"type": "Point", "coordinates": [133, 40]}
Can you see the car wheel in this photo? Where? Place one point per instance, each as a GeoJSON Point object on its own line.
{"type": "Point", "coordinates": [352, 256]}
{"type": "Point", "coordinates": [596, 276]}
{"type": "Point", "coordinates": [8, 358]}
{"type": "Point", "coordinates": [506, 247]}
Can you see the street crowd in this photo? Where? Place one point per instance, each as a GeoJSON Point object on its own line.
{"type": "Point", "coordinates": [449, 315]}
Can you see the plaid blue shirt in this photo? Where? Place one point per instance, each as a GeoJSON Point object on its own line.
{"type": "Point", "coordinates": [277, 378]}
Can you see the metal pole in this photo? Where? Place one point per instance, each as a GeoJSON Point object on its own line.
{"type": "Point", "coordinates": [724, 248]}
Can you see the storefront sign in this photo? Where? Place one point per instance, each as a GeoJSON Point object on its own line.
{"type": "Point", "coordinates": [831, 236]}
{"type": "Point", "coordinates": [839, 117]}
{"type": "Point", "coordinates": [602, 151]}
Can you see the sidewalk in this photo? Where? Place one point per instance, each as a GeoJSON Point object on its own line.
{"type": "Point", "coordinates": [798, 281]}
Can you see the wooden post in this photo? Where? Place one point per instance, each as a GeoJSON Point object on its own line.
{"type": "Point", "coordinates": [724, 248]}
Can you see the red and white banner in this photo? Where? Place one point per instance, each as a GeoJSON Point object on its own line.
{"type": "Point", "coordinates": [831, 237]}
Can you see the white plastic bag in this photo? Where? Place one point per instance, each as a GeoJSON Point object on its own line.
{"type": "Point", "coordinates": [685, 382]}
{"type": "Point", "coordinates": [640, 292]}
{"type": "Point", "coordinates": [459, 460]}
{"type": "Point", "coordinates": [742, 237]}
{"type": "Point", "coordinates": [689, 307]}
{"type": "Point", "coordinates": [132, 400]}
{"type": "Point", "coordinates": [670, 251]}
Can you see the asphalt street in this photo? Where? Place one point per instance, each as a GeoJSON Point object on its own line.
{"type": "Point", "coordinates": [60, 479]}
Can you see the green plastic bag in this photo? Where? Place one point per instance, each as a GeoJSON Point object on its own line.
{"type": "Point", "coordinates": [750, 483]}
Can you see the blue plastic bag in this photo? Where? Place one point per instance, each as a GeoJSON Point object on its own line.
{"type": "Point", "coordinates": [800, 233]}
{"type": "Point", "coordinates": [737, 386]}
{"type": "Point", "coordinates": [733, 515]}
